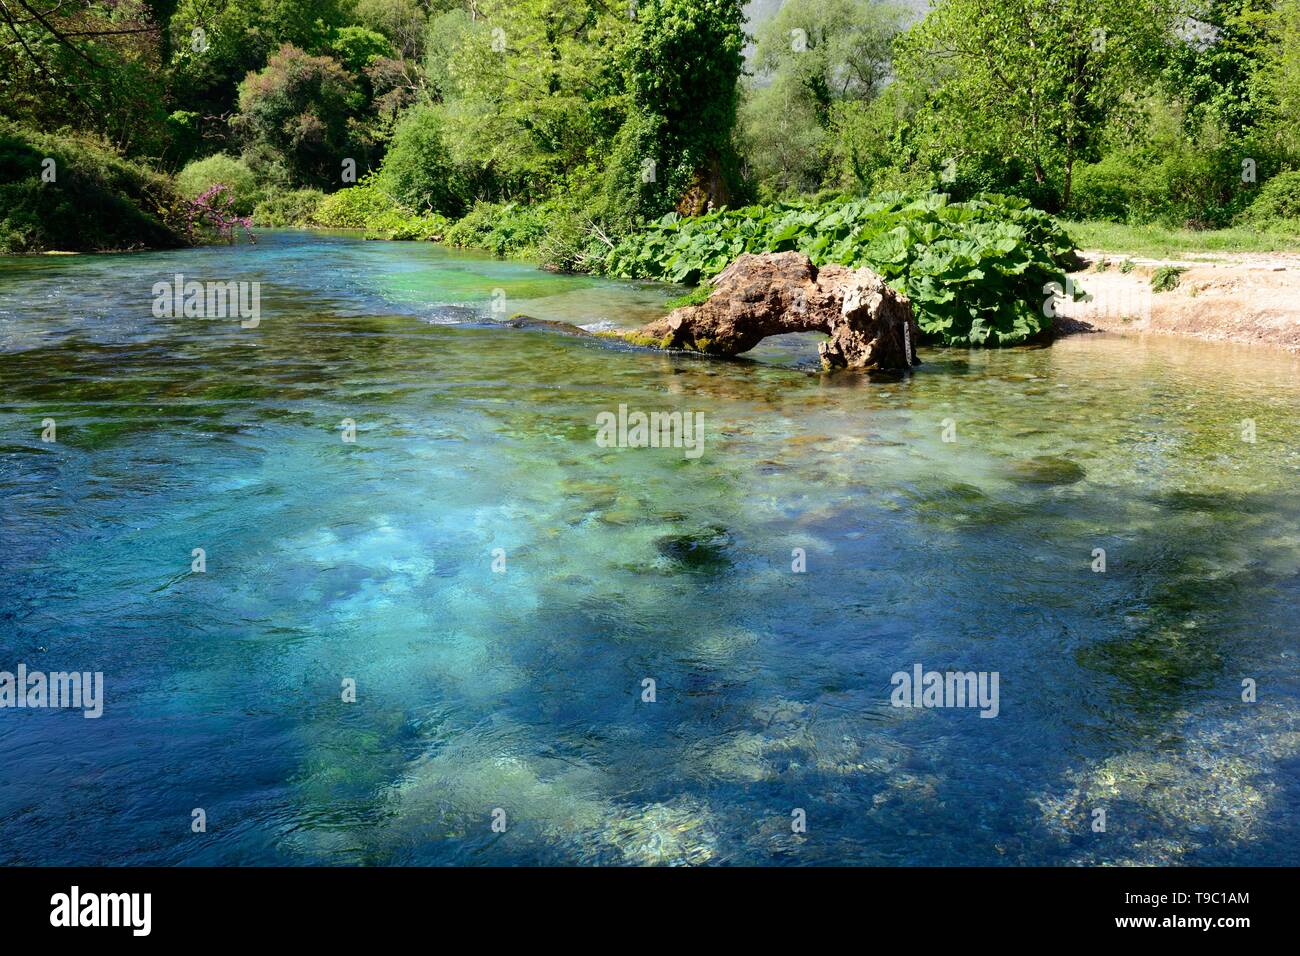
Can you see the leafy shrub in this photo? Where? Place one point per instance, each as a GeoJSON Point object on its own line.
{"type": "Point", "coordinates": [1166, 278]}
{"type": "Point", "coordinates": [1176, 184]}
{"type": "Point", "coordinates": [975, 271]}
{"type": "Point", "coordinates": [354, 207]}
{"type": "Point", "coordinates": [504, 230]}
{"type": "Point", "coordinates": [1278, 199]}
{"type": "Point", "coordinates": [418, 171]}
{"type": "Point", "coordinates": [401, 226]}
{"type": "Point", "coordinates": [294, 208]}
{"type": "Point", "coordinates": [363, 206]}
{"type": "Point", "coordinates": [97, 201]}
{"type": "Point", "coordinates": [202, 174]}
{"type": "Point", "coordinates": [1107, 190]}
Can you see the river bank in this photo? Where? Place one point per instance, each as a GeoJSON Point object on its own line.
{"type": "Point", "coordinates": [1251, 298]}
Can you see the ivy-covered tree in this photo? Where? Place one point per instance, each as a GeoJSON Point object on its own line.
{"type": "Point", "coordinates": [676, 150]}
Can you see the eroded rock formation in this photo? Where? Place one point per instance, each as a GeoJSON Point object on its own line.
{"type": "Point", "coordinates": [870, 325]}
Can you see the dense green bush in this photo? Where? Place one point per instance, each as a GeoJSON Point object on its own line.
{"type": "Point", "coordinates": [975, 271]}
{"type": "Point", "coordinates": [364, 206]}
{"type": "Point", "coordinates": [402, 226]}
{"type": "Point", "coordinates": [97, 201]}
{"type": "Point", "coordinates": [296, 207]}
{"type": "Point", "coordinates": [354, 207]}
{"type": "Point", "coordinates": [418, 171]}
{"type": "Point", "coordinates": [1174, 183]}
{"type": "Point", "coordinates": [202, 174]}
{"type": "Point", "coordinates": [1106, 190]}
{"type": "Point", "coordinates": [1278, 199]}
{"type": "Point", "coordinates": [504, 230]}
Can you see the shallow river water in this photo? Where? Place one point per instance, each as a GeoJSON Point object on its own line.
{"type": "Point", "coordinates": [522, 689]}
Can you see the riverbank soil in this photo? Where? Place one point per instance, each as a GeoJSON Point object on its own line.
{"type": "Point", "coordinates": [1237, 297]}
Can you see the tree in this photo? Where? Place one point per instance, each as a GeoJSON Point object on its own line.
{"type": "Point", "coordinates": [681, 65]}
{"type": "Point", "coordinates": [404, 22]}
{"type": "Point", "coordinates": [533, 93]}
{"type": "Point", "coordinates": [93, 66]}
{"type": "Point", "coordinates": [357, 47]}
{"type": "Point", "coordinates": [298, 108]}
{"type": "Point", "coordinates": [418, 171]}
{"type": "Point", "coordinates": [216, 43]}
{"type": "Point", "coordinates": [836, 49]}
{"type": "Point", "coordinates": [1029, 81]}
{"type": "Point", "coordinates": [1277, 80]}
{"type": "Point", "coordinates": [813, 56]}
{"type": "Point", "coordinates": [780, 137]}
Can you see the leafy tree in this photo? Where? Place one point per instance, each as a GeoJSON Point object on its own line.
{"type": "Point", "coordinates": [811, 57]}
{"type": "Point", "coordinates": [1276, 81]}
{"type": "Point", "coordinates": [863, 142]}
{"type": "Point", "coordinates": [298, 109]}
{"type": "Point", "coordinates": [216, 43]}
{"type": "Point", "coordinates": [836, 49]}
{"type": "Point", "coordinates": [1026, 81]}
{"type": "Point", "coordinates": [90, 65]}
{"type": "Point", "coordinates": [418, 171]}
{"type": "Point", "coordinates": [681, 65]}
{"type": "Point", "coordinates": [443, 37]}
{"type": "Point", "coordinates": [403, 22]}
{"type": "Point", "coordinates": [357, 47]}
{"type": "Point", "coordinates": [1209, 68]}
{"type": "Point", "coordinates": [781, 139]}
{"type": "Point", "coordinates": [532, 91]}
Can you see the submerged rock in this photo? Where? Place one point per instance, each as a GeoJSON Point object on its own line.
{"type": "Point", "coordinates": [1048, 471]}
{"type": "Point", "coordinates": [522, 321]}
{"type": "Point", "coordinates": [870, 325]}
{"type": "Point", "coordinates": [706, 549]}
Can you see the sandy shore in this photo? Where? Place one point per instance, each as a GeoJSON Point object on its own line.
{"type": "Point", "coordinates": [1238, 297]}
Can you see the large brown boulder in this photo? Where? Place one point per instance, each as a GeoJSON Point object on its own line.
{"type": "Point", "coordinates": [870, 325]}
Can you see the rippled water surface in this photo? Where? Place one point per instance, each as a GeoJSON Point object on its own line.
{"type": "Point", "coordinates": [372, 561]}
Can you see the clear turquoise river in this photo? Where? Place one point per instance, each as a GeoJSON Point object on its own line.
{"type": "Point", "coordinates": [370, 563]}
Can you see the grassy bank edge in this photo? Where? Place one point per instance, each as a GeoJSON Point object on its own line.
{"type": "Point", "coordinates": [1163, 242]}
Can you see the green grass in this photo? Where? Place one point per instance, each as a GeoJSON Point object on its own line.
{"type": "Point", "coordinates": [1161, 242]}
{"type": "Point", "coordinates": [697, 296]}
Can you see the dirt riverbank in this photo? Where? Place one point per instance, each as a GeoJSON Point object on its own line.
{"type": "Point", "coordinates": [1238, 297]}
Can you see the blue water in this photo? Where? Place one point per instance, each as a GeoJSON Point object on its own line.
{"type": "Point", "coordinates": [521, 691]}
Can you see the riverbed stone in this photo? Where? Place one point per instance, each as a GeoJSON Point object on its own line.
{"type": "Point", "coordinates": [1047, 470]}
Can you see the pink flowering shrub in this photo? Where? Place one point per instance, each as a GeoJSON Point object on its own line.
{"type": "Point", "coordinates": [210, 217]}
